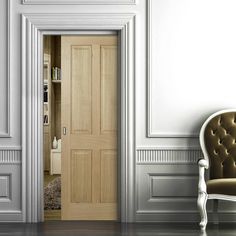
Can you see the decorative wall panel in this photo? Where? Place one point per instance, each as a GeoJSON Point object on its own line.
{"type": "Point", "coordinates": [4, 187]}
{"type": "Point", "coordinates": [185, 69]}
{"type": "Point", "coordinates": [157, 188]}
{"type": "Point", "coordinates": [167, 183]}
{"type": "Point", "coordinates": [147, 155]}
{"type": "Point", "coordinates": [5, 57]}
{"type": "Point", "coordinates": [9, 156]}
{"type": "Point", "coordinates": [169, 186]}
{"type": "Point", "coordinates": [10, 185]}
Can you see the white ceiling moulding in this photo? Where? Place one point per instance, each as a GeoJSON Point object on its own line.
{"type": "Point", "coordinates": [79, 2]}
{"type": "Point", "coordinates": [34, 26]}
{"type": "Point", "coordinates": [6, 133]}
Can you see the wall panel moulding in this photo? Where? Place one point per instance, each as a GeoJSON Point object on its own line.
{"type": "Point", "coordinates": [5, 133]}
{"type": "Point", "coordinates": [79, 2]}
{"type": "Point", "coordinates": [10, 156]}
{"type": "Point", "coordinates": [181, 89]}
{"type": "Point", "coordinates": [10, 184]}
{"type": "Point", "coordinates": [167, 156]}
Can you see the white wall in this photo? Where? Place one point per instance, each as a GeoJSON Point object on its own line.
{"type": "Point", "coordinates": [191, 74]}
{"type": "Point", "coordinates": [193, 63]}
{"type": "Point", "coordinates": [192, 55]}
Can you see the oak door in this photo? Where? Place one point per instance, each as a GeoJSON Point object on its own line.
{"type": "Point", "coordinates": [89, 123]}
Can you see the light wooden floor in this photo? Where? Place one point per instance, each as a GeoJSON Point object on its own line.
{"type": "Point", "coordinates": [77, 228]}
{"type": "Point", "coordinates": [52, 215]}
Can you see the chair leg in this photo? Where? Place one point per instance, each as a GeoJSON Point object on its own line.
{"type": "Point", "coordinates": [201, 202]}
{"type": "Point", "coordinates": [215, 210]}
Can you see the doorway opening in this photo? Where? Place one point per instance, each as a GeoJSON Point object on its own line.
{"type": "Point", "coordinates": [52, 126]}
{"type": "Point", "coordinates": [80, 126]}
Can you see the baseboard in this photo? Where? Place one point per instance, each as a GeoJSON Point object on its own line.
{"type": "Point", "coordinates": [11, 216]}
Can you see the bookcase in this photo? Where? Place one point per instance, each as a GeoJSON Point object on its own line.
{"type": "Point", "coordinates": [46, 88]}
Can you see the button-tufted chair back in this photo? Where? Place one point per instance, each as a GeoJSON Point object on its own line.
{"type": "Point", "coordinates": [220, 143]}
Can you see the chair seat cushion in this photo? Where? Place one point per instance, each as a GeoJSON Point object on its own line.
{"type": "Point", "coordinates": [225, 186]}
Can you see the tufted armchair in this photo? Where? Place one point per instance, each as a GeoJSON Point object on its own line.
{"type": "Point", "coordinates": [218, 143]}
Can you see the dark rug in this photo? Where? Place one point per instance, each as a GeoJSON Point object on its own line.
{"type": "Point", "coordinates": [52, 195]}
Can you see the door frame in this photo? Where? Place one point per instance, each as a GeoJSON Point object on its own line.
{"type": "Point", "coordinates": [34, 26]}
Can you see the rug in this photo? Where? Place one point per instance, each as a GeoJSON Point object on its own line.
{"type": "Point", "coordinates": [52, 195]}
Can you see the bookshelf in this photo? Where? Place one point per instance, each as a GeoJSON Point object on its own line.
{"type": "Point", "coordinates": [47, 102]}
{"type": "Point", "coordinates": [46, 89]}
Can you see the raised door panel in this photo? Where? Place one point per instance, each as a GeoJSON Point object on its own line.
{"type": "Point", "coordinates": [4, 186]}
{"type": "Point", "coordinates": [81, 176]}
{"type": "Point", "coordinates": [81, 88]}
{"type": "Point", "coordinates": [108, 176]}
{"type": "Point", "coordinates": [108, 89]}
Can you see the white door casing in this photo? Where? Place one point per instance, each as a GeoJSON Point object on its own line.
{"type": "Point", "coordinates": [34, 26]}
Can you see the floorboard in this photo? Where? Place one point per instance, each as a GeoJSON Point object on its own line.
{"type": "Point", "coordinates": [68, 228]}
{"type": "Point", "coordinates": [52, 215]}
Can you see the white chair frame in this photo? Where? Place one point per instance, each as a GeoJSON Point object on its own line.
{"type": "Point", "coordinates": [203, 164]}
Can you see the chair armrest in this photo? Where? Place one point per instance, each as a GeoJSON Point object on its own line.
{"type": "Point", "coordinates": [202, 165]}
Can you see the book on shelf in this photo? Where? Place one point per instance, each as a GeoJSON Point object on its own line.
{"type": "Point", "coordinates": [45, 119]}
{"type": "Point", "coordinates": [56, 73]}
{"type": "Point", "coordinates": [45, 93]}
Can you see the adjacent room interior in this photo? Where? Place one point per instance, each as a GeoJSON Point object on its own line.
{"type": "Point", "coordinates": [52, 127]}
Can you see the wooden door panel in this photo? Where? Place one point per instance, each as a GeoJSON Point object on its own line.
{"type": "Point", "coordinates": [96, 176]}
{"type": "Point", "coordinates": [81, 176]}
{"type": "Point", "coordinates": [81, 87]}
{"type": "Point", "coordinates": [102, 211]}
{"type": "Point", "coordinates": [108, 89]}
{"type": "Point", "coordinates": [89, 112]}
{"type": "Point", "coordinates": [108, 176]}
